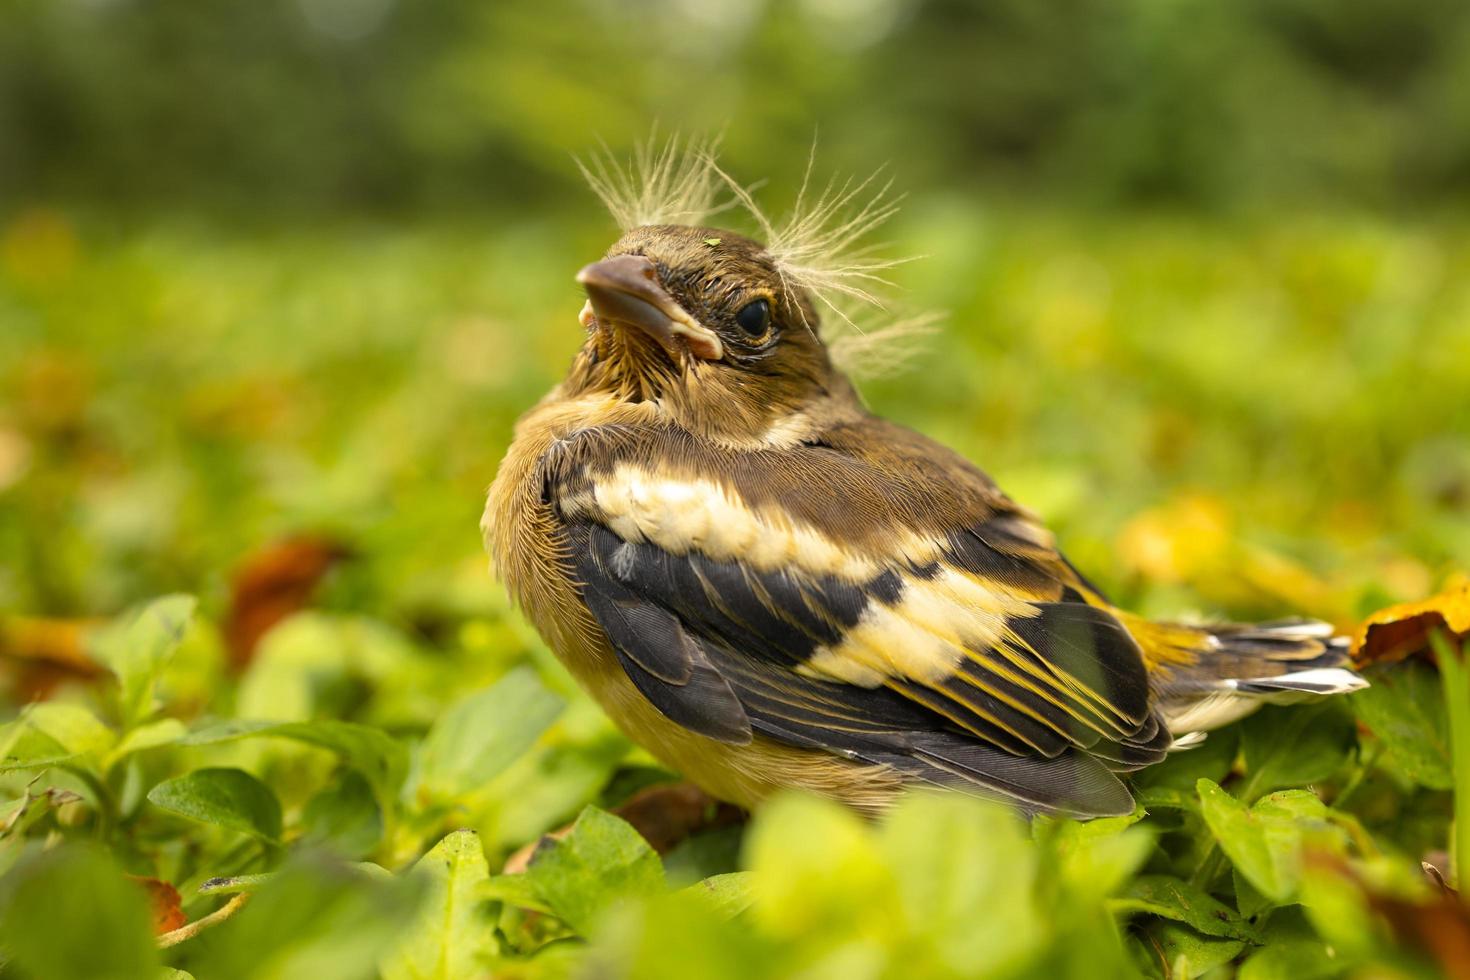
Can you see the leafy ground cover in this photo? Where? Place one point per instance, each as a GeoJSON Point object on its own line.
{"type": "Point", "coordinates": [251, 648]}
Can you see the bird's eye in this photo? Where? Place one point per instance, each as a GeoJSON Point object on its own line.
{"type": "Point", "coordinates": [755, 318]}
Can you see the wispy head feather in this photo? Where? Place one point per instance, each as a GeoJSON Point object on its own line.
{"type": "Point", "coordinates": [816, 247]}
{"type": "Point", "coordinates": [668, 182]}
{"type": "Point", "coordinates": [878, 351]}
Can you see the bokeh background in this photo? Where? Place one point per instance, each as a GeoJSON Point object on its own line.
{"type": "Point", "coordinates": [278, 276]}
{"type": "Point", "coordinates": [283, 267]}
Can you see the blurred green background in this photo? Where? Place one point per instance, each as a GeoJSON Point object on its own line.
{"type": "Point", "coordinates": [278, 276]}
{"type": "Point", "coordinates": [274, 266]}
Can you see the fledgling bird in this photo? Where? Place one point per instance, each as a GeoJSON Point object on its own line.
{"type": "Point", "coordinates": [767, 586]}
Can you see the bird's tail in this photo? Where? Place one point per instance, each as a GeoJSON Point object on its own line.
{"type": "Point", "coordinates": [1208, 676]}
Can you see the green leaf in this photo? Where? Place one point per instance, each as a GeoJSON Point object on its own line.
{"type": "Point", "coordinates": [1212, 759]}
{"type": "Point", "coordinates": [726, 895]}
{"type": "Point", "coordinates": [1293, 952]}
{"type": "Point", "coordinates": [1095, 857]}
{"type": "Point", "coordinates": [1185, 953]}
{"type": "Point", "coordinates": [602, 862]}
{"type": "Point", "coordinates": [951, 854]}
{"type": "Point", "coordinates": [249, 884]}
{"type": "Point", "coordinates": [1171, 898]}
{"type": "Point", "coordinates": [452, 936]}
{"type": "Point", "coordinates": [152, 735]}
{"type": "Point", "coordinates": [1249, 901]}
{"type": "Point", "coordinates": [818, 870]}
{"type": "Point", "coordinates": [517, 890]}
{"type": "Point", "coordinates": [314, 919]}
{"type": "Point", "coordinates": [235, 885]}
{"type": "Point", "coordinates": [1264, 842]}
{"type": "Point", "coordinates": [380, 757]}
{"type": "Point", "coordinates": [1302, 960]}
{"type": "Point", "coordinates": [77, 730]}
{"type": "Point", "coordinates": [229, 798]}
{"type": "Point", "coordinates": [482, 734]}
{"type": "Point", "coordinates": [71, 915]}
{"type": "Point", "coordinates": [23, 814]}
{"type": "Point", "coordinates": [23, 747]}
{"type": "Point", "coordinates": [1405, 709]}
{"type": "Point", "coordinates": [344, 818]}
{"type": "Point", "coordinates": [137, 646]}
{"type": "Point", "coordinates": [1295, 746]}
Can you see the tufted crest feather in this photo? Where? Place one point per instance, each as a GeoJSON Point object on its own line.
{"type": "Point", "coordinates": [864, 349]}
{"type": "Point", "coordinates": [675, 183]}
{"type": "Point", "coordinates": [816, 246]}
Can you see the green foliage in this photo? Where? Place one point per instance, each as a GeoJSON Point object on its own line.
{"type": "Point", "coordinates": [1232, 870]}
{"type": "Point", "coordinates": [451, 938]}
{"type": "Point", "coordinates": [227, 798]}
{"type": "Point", "coordinates": [70, 915]}
{"type": "Point", "coordinates": [175, 398]}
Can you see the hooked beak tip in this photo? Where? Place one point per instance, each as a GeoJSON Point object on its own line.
{"type": "Point", "coordinates": [625, 290]}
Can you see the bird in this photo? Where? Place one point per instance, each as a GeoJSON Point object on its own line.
{"type": "Point", "coordinates": [768, 587]}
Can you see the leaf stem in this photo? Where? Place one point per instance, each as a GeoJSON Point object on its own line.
{"type": "Point", "coordinates": [192, 929]}
{"type": "Point", "coordinates": [1457, 705]}
{"type": "Point", "coordinates": [107, 812]}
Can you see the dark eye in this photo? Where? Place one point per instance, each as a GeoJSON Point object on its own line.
{"type": "Point", "coordinates": [755, 318]}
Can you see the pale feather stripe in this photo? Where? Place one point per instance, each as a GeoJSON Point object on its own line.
{"type": "Point", "coordinates": [694, 514]}
{"type": "Point", "coordinates": [935, 624]}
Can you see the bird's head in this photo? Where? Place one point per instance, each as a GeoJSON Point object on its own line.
{"type": "Point", "coordinates": [721, 332]}
{"type": "Point", "coordinates": [703, 321]}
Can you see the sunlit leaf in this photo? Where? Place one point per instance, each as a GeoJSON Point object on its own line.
{"type": "Point", "coordinates": [1095, 857]}
{"type": "Point", "coordinates": [817, 868]}
{"type": "Point", "coordinates": [452, 936]}
{"type": "Point", "coordinates": [136, 648]}
{"type": "Point", "coordinates": [1264, 841]}
{"type": "Point", "coordinates": [477, 738]}
{"type": "Point", "coordinates": [727, 894]}
{"type": "Point", "coordinates": [953, 854]}
{"type": "Point", "coordinates": [601, 862]}
{"type": "Point", "coordinates": [150, 735]}
{"type": "Point", "coordinates": [73, 727]}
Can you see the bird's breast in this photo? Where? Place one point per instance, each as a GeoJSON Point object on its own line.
{"type": "Point", "coordinates": [522, 532]}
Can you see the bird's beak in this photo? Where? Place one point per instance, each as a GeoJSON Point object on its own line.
{"type": "Point", "coordinates": [625, 290]}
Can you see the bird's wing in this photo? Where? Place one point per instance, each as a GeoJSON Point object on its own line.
{"type": "Point", "coordinates": [893, 609]}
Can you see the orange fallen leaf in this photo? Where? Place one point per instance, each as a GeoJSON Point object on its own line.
{"type": "Point", "coordinates": [1399, 631]}
{"type": "Point", "coordinates": [274, 583]}
{"type": "Point", "coordinates": [163, 899]}
{"type": "Point", "coordinates": [1439, 928]}
{"type": "Point", "coordinates": [43, 652]}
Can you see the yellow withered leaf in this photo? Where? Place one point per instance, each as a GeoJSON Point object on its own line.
{"type": "Point", "coordinates": [1398, 631]}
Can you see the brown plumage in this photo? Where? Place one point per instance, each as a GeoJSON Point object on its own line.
{"type": "Point", "coordinates": [768, 586]}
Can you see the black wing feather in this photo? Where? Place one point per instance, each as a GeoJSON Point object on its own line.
{"type": "Point", "coordinates": [712, 643]}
